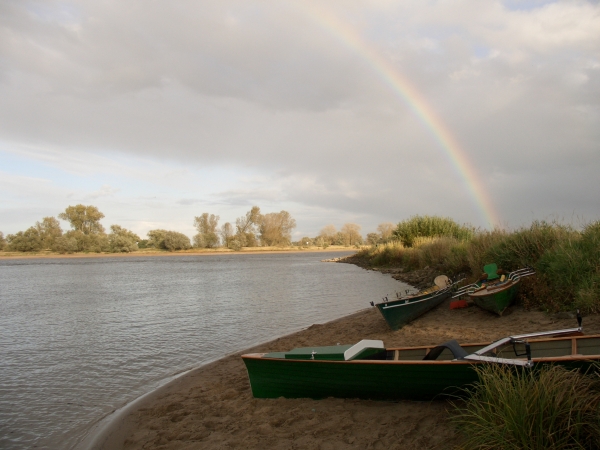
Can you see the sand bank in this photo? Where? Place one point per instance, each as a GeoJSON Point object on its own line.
{"type": "Point", "coordinates": [246, 251]}
{"type": "Point", "coordinates": [212, 407]}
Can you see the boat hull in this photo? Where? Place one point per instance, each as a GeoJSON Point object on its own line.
{"type": "Point", "coordinates": [403, 375]}
{"type": "Point", "coordinates": [496, 300]}
{"type": "Point", "coordinates": [398, 313]}
{"type": "Point", "coordinates": [356, 379]}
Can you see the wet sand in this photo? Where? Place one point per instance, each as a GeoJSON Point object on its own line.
{"type": "Point", "coordinates": [212, 407]}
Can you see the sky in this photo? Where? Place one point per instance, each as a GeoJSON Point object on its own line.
{"type": "Point", "coordinates": [337, 111]}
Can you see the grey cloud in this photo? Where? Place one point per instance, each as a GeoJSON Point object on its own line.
{"type": "Point", "coordinates": [272, 88]}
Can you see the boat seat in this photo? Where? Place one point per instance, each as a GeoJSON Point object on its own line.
{"type": "Point", "coordinates": [492, 271]}
{"type": "Point", "coordinates": [453, 346]}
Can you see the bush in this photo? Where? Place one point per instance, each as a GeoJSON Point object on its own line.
{"type": "Point", "coordinates": [122, 240]}
{"type": "Point", "coordinates": [64, 244]}
{"type": "Point", "coordinates": [430, 227]}
{"type": "Point", "coordinates": [531, 409]}
{"type": "Point", "coordinates": [25, 241]}
{"type": "Point", "coordinates": [174, 240]}
{"type": "Point", "coordinates": [96, 242]}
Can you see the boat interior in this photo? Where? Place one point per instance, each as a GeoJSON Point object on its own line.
{"type": "Point", "coordinates": [540, 348]}
{"type": "Point", "coordinates": [569, 344]}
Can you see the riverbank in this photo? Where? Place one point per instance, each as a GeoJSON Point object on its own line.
{"type": "Point", "coordinates": [212, 407]}
{"type": "Point", "coordinates": [193, 252]}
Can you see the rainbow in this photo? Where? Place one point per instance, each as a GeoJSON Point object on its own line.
{"type": "Point", "coordinates": [415, 101]}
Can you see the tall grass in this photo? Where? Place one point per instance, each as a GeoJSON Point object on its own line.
{"type": "Point", "coordinates": [567, 261]}
{"type": "Point", "coordinates": [573, 267]}
{"type": "Point", "coordinates": [549, 408]}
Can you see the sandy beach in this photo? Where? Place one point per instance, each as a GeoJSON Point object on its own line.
{"type": "Point", "coordinates": [193, 252]}
{"type": "Point", "coordinates": [212, 407]}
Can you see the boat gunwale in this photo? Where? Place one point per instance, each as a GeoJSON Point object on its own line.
{"type": "Point", "coordinates": [485, 292]}
{"type": "Point", "coordinates": [572, 357]}
{"type": "Point", "coordinates": [260, 356]}
{"type": "Point", "coordinates": [406, 301]}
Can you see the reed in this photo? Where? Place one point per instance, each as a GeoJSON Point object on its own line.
{"type": "Point", "coordinates": [549, 408]}
{"type": "Point", "coordinates": [567, 261]}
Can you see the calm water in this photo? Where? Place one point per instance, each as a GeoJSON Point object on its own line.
{"type": "Point", "coordinates": [81, 337]}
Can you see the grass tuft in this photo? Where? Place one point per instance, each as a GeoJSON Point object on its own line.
{"type": "Point", "coordinates": [549, 408]}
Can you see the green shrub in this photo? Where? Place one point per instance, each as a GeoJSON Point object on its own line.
{"type": "Point", "coordinates": [25, 241]}
{"type": "Point", "coordinates": [430, 226]}
{"type": "Point", "coordinates": [572, 268]}
{"type": "Point", "coordinates": [567, 261]}
{"type": "Point", "coordinates": [525, 246]}
{"type": "Point", "coordinates": [549, 408]}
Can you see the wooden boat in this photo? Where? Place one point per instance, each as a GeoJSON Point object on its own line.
{"type": "Point", "coordinates": [368, 370]}
{"type": "Point", "coordinates": [493, 292]}
{"type": "Point", "coordinates": [402, 310]}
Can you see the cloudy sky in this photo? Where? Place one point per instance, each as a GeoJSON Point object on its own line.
{"type": "Point", "coordinates": [334, 110]}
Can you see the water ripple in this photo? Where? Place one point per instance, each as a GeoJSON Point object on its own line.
{"type": "Point", "coordinates": [81, 337]}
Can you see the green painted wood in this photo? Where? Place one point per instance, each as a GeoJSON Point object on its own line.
{"type": "Point", "coordinates": [398, 313]}
{"type": "Point", "coordinates": [497, 301]}
{"type": "Point", "coordinates": [273, 378]}
{"type": "Point", "coordinates": [492, 271]}
{"type": "Point", "coordinates": [407, 378]}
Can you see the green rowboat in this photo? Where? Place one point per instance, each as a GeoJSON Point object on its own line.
{"type": "Point", "coordinates": [400, 311]}
{"type": "Point", "coordinates": [368, 370]}
{"type": "Point", "coordinates": [495, 293]}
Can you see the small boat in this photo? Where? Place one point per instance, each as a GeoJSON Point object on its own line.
{"type": "Point", "coordinates": [402, 310]}
{"type": "Point", "coordinates": [368, 370]}
{"type": "Point", "coordinates": [494, 291]}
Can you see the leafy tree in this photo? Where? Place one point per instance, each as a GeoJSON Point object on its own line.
{"type": "Point", "coordinates": [156, 238]}
{"type": "Point", "coordinates": [25, 241]}
{"type": "Point", "coordinates": [2, 241]}
{"type": "Point", "coordinates": [276, 228]}
{"type": "Point", "coordinates": [96, 242]}
{"type": "Point", "coordinates": [328, 234]}
{"type": "Point", "coordinates": [122, 240]}
{"type": "Point", "coordinates": [351, 234]}
{"type": "Point", "coordinates": [168, 240]}
{"type": "Point", "coordinates": [385, 230]}
{"type": "Point", "coordinates": [83, 218]}
{"type": "Point", "coordinates": [226, 234]}
{"type": "Point", "coordinates": [305, 241]}
{"type": "Point", "coordinates": [49, 230]}
{"type": "Point", "coordinates": [373, 238]}
{"type": "Point", "coordinates": [207, 236]}
{"type": "Point", "coordinates": [246, 227]}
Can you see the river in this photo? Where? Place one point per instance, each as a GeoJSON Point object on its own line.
{"type": "Point", "coordinates": [80, 337]}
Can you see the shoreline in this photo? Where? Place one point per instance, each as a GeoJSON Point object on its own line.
{"type": "Point", "coordinates": [212, 407]}
{"type": "Point", "coordinates": [110, 429]}
{"type": "Point", "coordinates": [247, 251]}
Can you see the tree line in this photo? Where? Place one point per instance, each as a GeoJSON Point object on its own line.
{"type": "Point", "coordinates": [250, 230]}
